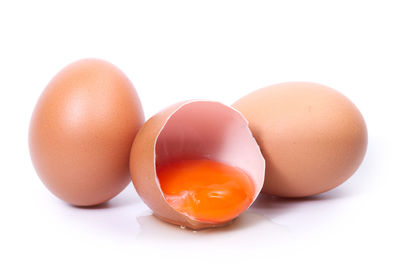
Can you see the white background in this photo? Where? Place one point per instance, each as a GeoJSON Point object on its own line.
{"type": "Point", "coordinates": [217, 50]}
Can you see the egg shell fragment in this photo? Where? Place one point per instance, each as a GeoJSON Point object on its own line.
{"type": "Point", "coordinates": [81, 132]}
{"type": "Point", "coordinates": [312, 137]}
{"type": "Point", "coordinates": [192, 130]}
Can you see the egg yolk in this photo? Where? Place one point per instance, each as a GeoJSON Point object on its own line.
{"type": "Point", "coordinates": [206, 190]}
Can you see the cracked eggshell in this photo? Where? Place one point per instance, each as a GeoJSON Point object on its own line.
{"type": "Point", "coordinates": [312, 137]}
{"type": "Point", "coordinates": [82, 130]}
{"type": "Point", "coordinates": [192, 129]}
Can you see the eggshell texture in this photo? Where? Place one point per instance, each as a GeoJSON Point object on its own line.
{"type": "Point", "coordinates": [81, 132]}
{"type": "Point", "coordinates": [312, 137]}
{"type": "Point", "coordinates": [191, 130]}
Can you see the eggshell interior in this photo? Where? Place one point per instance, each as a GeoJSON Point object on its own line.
{"type": "Point", "coordinates": [213, 131]}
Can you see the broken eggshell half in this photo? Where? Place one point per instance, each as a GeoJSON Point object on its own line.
{"type": "Point", "coordinates": [192, 130]}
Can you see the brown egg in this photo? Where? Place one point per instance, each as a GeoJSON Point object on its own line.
{"type": "Point", "coordinates": [81, 132]}
{"type": "Point", "coordinates": [312, 137]}
{"type": "Point", "coordinates": [192, 130]}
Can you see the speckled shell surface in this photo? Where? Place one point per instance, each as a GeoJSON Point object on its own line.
{"type": "Point", "coordinates": [312, 137]}
{"type": "Point", "coordinates": [81, 132]}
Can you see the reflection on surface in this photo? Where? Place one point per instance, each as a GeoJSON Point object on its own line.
{"type": "Point", "coordinates": [269, 221]}
{"type": "Point", "coordinates": [247, 228]}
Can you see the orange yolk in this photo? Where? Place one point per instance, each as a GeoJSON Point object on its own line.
{"type": "Point", "coordinates": [206, 190]}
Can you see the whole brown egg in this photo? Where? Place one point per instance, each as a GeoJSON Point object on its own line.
{"type": "Point", "coordinates": [81, 132]}
{"type": "Point", "coordinates": [312, 137]}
